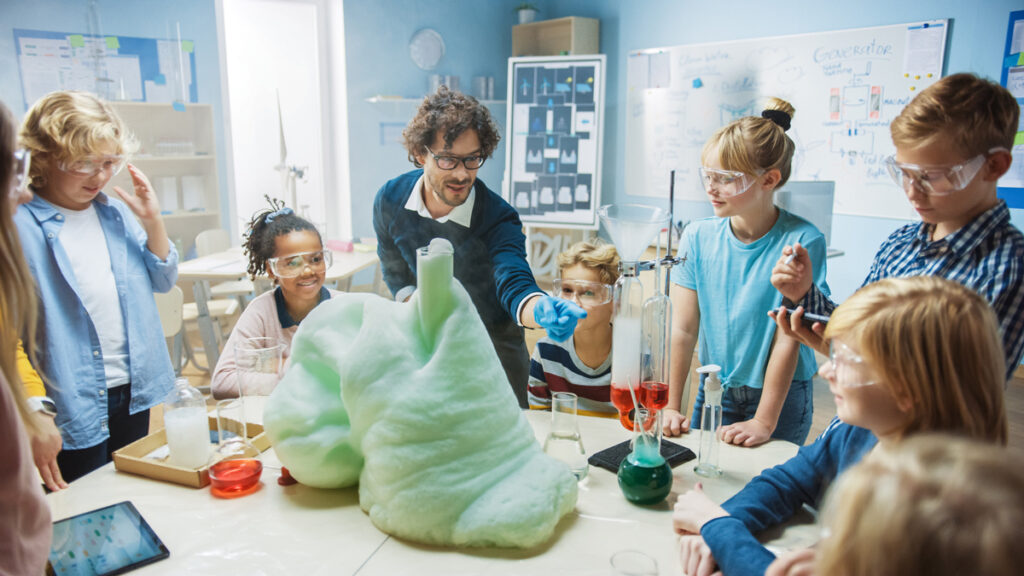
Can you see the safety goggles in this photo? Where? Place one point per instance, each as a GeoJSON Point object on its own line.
{"type": "Point", "coordinates": [112, 164]}
{"type": "Point", "coordinates": [588, 294]}
{"type": "Point", "coordinates": [937, 180]}
{"type": "Point", "coordinates": [450, 162]}
{"type": "Point", "coordinates": [295, 264]}
{"type": "Point", "coordinates": [726, 183]}
{"type": "Point", "coordinates": [22, 163]}
{"type": "Point", "coordinates": [847, 364]}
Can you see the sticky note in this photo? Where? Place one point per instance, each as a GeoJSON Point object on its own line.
{"type": "Point", "coordinates": [187, 46]}
{"type": "Point", "coordinates": [1018, 139]}
{"type": "Point", "coordinates": [160, 80]}
{"type": "Point", "coordinates": [1020, 59]}
{"type": "Point", "coordinates": [76, 40]}
{"type": "Point", "coordinates": [178, 106]}
{"type": "Point", "coordinates": [1011, 60]}
{"type": "Point", "coordinates": [112, 42]}
{"type": "Point", "coordinates": [697, 83]}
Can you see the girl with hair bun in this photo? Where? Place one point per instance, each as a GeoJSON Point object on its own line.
{"type": "Point", "coordinates": [289, 250]}
{"type": "Point", "coordinates": [719, 292]}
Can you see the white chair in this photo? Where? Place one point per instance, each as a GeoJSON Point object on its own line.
{"type": "Point", "coordinates": [169, 306]}
{"type": "Point", "coordinates": [216, 240]}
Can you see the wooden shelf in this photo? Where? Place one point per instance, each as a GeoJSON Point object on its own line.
{"type": "Point", "coordinates": [572, 35]}
{"type": "Point", "coordinates": [389, 99]}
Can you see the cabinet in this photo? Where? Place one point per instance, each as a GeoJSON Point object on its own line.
{"type": "Point", "coordinates": [177, 152]}
{"type": "Point", "coordinates": [572, 35]}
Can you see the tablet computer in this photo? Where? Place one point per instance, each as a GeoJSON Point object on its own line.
{"type": "Point", "coordinates": [111, 540]}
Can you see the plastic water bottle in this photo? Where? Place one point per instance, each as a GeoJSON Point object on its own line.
{"type": "Point", "coordinates": [710, 421]}
{"type": "Point", "coordinates": [186, 425]}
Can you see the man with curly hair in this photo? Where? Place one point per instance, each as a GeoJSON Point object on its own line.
{"type": "Point", "coordinates": [450, 138]}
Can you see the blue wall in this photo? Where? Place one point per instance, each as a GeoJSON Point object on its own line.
{"type": "Point", "coordinates": [139, 18]}
{"type": "Point", "coordinates": [478, 41]}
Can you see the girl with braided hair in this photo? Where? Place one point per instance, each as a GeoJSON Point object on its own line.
{"type": "Point", "coordinates": [289, 250]}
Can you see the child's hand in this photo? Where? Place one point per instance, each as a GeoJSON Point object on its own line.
{"type": "Point", "coordinates": [792, 273]}
{"type": "Point", "coordinates": [143, 203]}
{"type": "Point", "coordinates": [750, 433]}
{"type": "Point", "coordinates": [695, 557]}
{"type": "Point", "coordinates": [796, 563]}
{"type": "Point", "coordinates": [792, 325]}
{"type": "Point", "coordinates": [694, 509]}
{"type": "Point", "coordinates": [674, 423]}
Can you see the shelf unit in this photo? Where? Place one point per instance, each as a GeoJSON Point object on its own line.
{"type": "Point", "coordinates": [571, 35]}
{"type": "Point", "coordinates": [178, 153]}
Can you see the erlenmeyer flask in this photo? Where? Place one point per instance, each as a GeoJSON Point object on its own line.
{"type": "Point", "coordinates": [235, 465]}
{"type": "Point", "coordinates": [563, 441]}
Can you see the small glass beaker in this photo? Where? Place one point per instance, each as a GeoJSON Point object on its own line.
{"type": "Point", "coordinates": [633, 563]}
{"type": "Point", "coordinates": [563, 441]}
{"type": "Point", "coordinates": [259, 365]}
{"type": "Point", "coordinates": [235, 466]}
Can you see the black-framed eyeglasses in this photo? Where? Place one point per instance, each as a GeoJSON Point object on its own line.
{"type": "Point", "coordinates": [450, 162]}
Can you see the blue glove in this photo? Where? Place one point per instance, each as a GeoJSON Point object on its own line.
{"type": "Point", "coordinates": [558, 317]}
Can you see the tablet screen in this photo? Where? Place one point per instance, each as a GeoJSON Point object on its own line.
{"type": "Point", "coordinates": [110, 540]}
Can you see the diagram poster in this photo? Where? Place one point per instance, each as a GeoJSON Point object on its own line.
{"type": "Point", "coordinates": [555, 125]}
{"type": "Point", "coordinates": [1011, 185]}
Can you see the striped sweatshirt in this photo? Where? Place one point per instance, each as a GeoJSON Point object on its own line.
{"type": "Point", "coordinates": [555, 367]}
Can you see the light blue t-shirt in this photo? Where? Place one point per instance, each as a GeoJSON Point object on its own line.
{"type": "Point", "coordinates": [734, 292]}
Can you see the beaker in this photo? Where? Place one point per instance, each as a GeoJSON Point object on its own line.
{"type": "Point", "coordinates": [644, 475]}
{"type": "Point", "coordinates": [186, 426]}
{"type": "Point", "coordinates": [633, 563]}
{"type": "Point", "coordinates": [259, 365]}
{"type": "Point", "coordinates": [563, 441]}
{"type": "Point", "coordinates": [235, 465]}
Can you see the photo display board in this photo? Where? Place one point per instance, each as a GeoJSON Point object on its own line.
{"type": "Point", "coordinates": [555, 129]}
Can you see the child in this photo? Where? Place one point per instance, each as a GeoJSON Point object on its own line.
{"type": "Point", "coordinates": [952, 144]}
{"type": "Point", "coordinates": [935, 504]}
{"type": "Point", "coordinates": [26, 530]}
{"type": "Point", "coordinates": [908, 355]}
{"type": "Point", "coordinates": [289, 250]}
{"type": "Point", "coordinates": [582, 364]}
{"type": "Point", "coordinates": [720, 289]}
{"type": "Point", "coordinates": [96, 261]}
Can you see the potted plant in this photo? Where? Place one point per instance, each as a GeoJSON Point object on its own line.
{"type": "Point", "coordinates": [527, 12]}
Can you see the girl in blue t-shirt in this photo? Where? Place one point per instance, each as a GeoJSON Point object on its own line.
{"type": "Point", "coordinates": [721, 292]}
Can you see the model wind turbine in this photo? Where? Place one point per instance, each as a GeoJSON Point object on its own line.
{"type": "Point", "coordinates": [289, 174]}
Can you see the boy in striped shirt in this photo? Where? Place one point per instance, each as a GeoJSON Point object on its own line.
{"type": "Point", "coordinates": [953, 144]}
{"type": "Point", "coordinates": [582, 364]}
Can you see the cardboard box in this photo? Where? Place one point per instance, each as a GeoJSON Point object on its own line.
{"type": "Point", "coordinates": [132, 458]}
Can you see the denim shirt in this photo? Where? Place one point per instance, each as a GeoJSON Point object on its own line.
{"type": "Point", "coordinates": [70, 356]}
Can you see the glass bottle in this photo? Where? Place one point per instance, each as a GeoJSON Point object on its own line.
{"type": "Point", "coordinates": [186, 426]}
{"type": "Point", "coordinates": [644, 475]}
{"type": "Point", "coordinates": [563, 442]}
{"type": "Point", "coordinates": [710, 421]}
{"type": "Point", "coordinates": [235, 465]}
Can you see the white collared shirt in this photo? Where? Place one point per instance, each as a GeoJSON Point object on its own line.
{"type": "Point", "coordinates": [461, 215]}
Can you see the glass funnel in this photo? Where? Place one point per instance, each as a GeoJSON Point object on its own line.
{"type": "Point", "coordinates": [632, 227]}
{"type": "Point", "coordinates": [235, 466]}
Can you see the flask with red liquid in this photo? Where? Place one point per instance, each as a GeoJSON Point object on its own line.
{"type": "Point", "coordinates": [235, 466]}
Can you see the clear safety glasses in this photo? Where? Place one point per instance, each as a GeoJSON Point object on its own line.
{"type": "Point", "coordinates": [450, 162]}
{"type": "Point", "coordinates": [91, 166]}
{"type": "Point", "coordinates": [588, 294]}
{"type": "Point", "coordinates": [726, 183]}
{"type": "Point", "coordinates": [295, 264]}
{"type": "Point", "coordinates": [848, 365]}
{"type": "Point", "coordinates": [22, 163]}
{"type": "Point", "coordinates": [937, 180]}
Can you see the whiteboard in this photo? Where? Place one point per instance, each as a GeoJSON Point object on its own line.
{"type": "Point", "coordinates": [845, 85]}
{"type": "Point", "coordinates": [555, 132]}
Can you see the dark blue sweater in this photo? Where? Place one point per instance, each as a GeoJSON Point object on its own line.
{"type": "Point", "coordinates": [490, 255]}
{"type": "Point", "coordinates": [775, 495]}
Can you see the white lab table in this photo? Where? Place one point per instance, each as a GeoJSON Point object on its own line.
{"type": "Point", "coordinates": [303, 530]}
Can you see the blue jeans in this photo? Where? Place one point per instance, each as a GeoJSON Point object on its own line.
{"type": "Point", "coordinates": [124, 427]}
{"type": "Point", "coordinates": [740, 404]}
